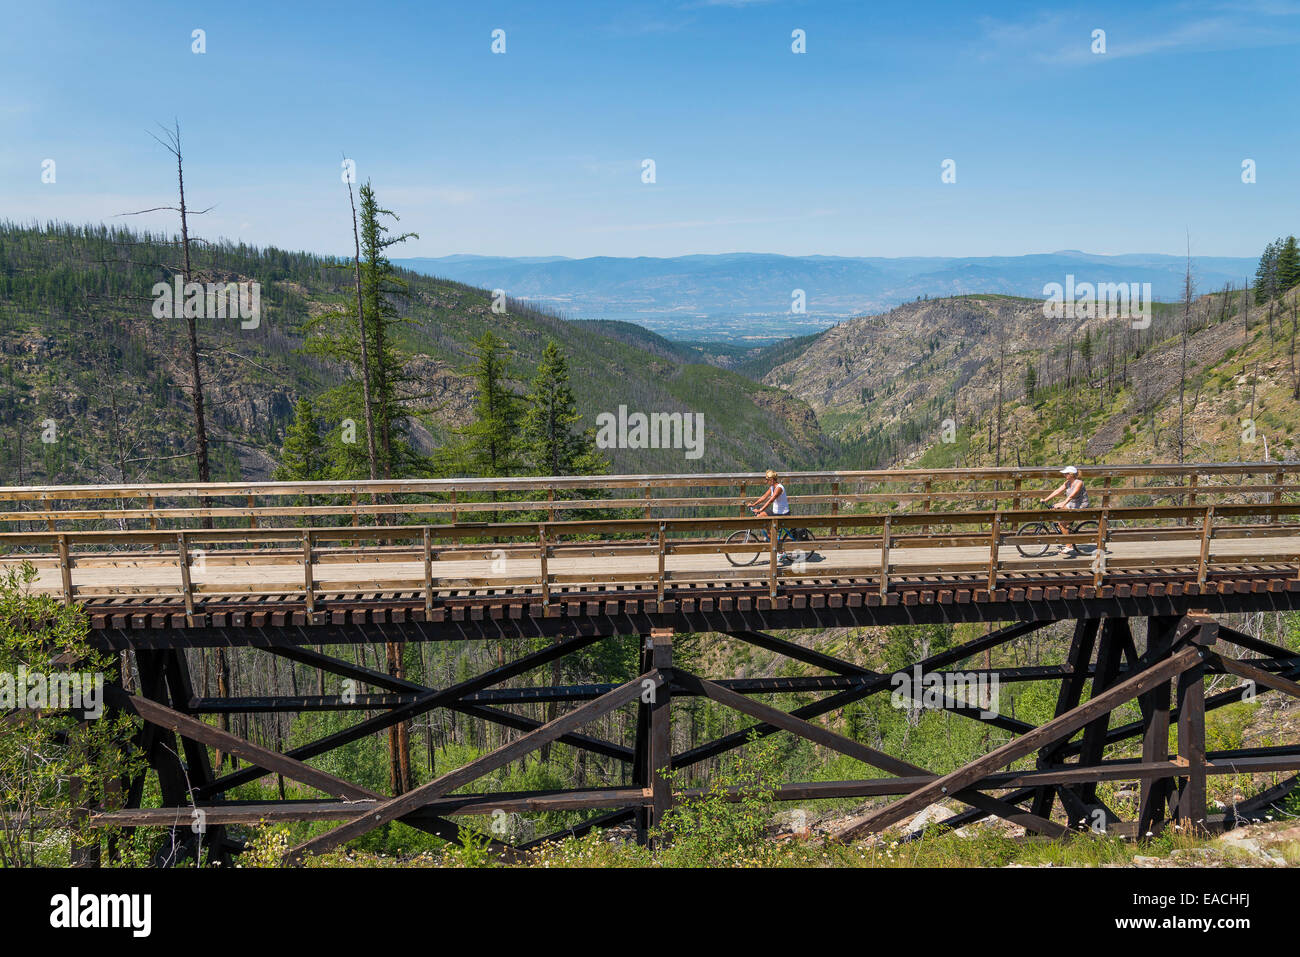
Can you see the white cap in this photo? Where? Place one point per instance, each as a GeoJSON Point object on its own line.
{"type": "Point", "coordinates": [1069, 470]}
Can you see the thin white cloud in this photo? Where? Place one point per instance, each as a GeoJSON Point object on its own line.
{"type": "Point", "coordinates": [1067, 38]}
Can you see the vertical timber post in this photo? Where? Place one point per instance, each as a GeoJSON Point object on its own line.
{"type": "Point", "coordinates": [1068, 697]}
{"type": "Point", "coordinates": [1191, 728]}
{"type": "Point", "coordinates": [659, 752]}
{"type": "Point", "coordinates": [1154, 793]}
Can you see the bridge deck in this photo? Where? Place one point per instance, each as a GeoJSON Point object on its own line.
{"type": "Point", "coordinates": [280, 571]}
{"type": "Point", "coordinates": [585, 546]}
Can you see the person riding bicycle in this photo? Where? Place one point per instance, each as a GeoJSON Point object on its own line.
{"type": "Point", "coordinates": [780, 504]}
{"type": "Point", "coordinates": [1075, 496]}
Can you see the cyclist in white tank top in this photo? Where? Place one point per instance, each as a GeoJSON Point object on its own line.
{"type": "Point", "coordinates": [774, 496]}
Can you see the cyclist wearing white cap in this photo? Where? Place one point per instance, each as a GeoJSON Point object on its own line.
{"type": "Point", "coordinates": [1075, 496]}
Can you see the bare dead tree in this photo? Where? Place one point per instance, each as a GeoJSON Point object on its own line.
{"type": "Point", "coordinates": [1295, 318]}
{"type": "Point", "coordinates": [1189, 290]}
{"type": "Point", "coordinates": [365, 351]}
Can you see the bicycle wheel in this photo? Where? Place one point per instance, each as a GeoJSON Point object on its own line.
{"type": "Point", "coordinates": [1030, 550]}
{"type": "Point", "coordinates": [1086, 528]}
{"type": "Point", "coordinates": [806, 550]}
{"type": "Point", "coordinates": [740, 559]}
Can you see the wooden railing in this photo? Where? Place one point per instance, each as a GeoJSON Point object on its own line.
{"type": "Point", "coordinates": [159, 506]}
{"type": "Point", "coordinates": [878, 547]}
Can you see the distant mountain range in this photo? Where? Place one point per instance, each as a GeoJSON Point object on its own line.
{"type": "Point", "coordinates": [748, 296]}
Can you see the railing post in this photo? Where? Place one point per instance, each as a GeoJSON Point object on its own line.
{"type": "Point", "coordinates": [455, 512]}
{"type": "Point", "coordinates": [1278, 479]}
{"type": "Point", "coordinates": [1015, 499]}
{"type": "Point", "coordinates": [356, 516]}
{"type": "Point", "coordinates": [1099, 556]}
{"type": "Point", "coordinates": [309, 582]}
{"type": "Point", "coordinates": [994, 538]}
{"type": "Point", "coordinates": [428, 574]}
{"type": "Point", "coordinates": [65, 569]}
{"type": "Point", "coordinates": [546, 572]}
{"type": "Point", "coordinates": [550, 497]}
{"type": "Point", "coordinates": [252, 519]}
{"type": "Point", "coordinates": [187, 588]}
{"type": "Point", "coordinates": [884, 558]}
{"type": "Point", "coordinates": [1191, 489]}
{"type": "Point", "coordinates": [835, 507]}
{"type": "Point", "coordinates": [153, 519]}
{"type": "Point", "coordinates": [663, 543]}
{"type": "Point", "coordinates": [929, 504]}
{"type": "Point", "coordinates": [1105, 492]}
{"type": "Point", "coordinates": [1207, 532]}
{"type": "Point", "coordinates": [772, 543]}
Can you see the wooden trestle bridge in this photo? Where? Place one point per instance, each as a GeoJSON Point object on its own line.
{"type": "Point", "coordinates": [289, 568]}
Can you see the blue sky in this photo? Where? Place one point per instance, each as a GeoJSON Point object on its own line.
{"type": "Point", "coordinates": [538, 151]}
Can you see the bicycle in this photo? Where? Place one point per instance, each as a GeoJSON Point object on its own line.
{"type": "Point", "coordinates": [748, 535]}
{"type": "Point", "coordinates": [1048, 527]}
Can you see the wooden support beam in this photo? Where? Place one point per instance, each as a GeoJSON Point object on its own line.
{"type": "Point", "coordinates": [799, 653]}
{"type": "Point", "coordinates": [1068, 696]}
{"type": "Point", "coordinates": [1059, 727]}
{"type": "Point", "coordinates": [461, 776]}
{"type": "Point", "coordinates": [863, 753]}
{"type": "Point", "coordinates": [871, 686]}
{"type": "Point", "coordinates": [1250, 673]}
{"type": "Point", "coordinates": [659, 730]}
{"type": "Point", "coordinates": [1191, 808]}
{"type": "Point", "coordinates": [426, 702]}
{"type": "Point", "coordinates": [1154, 792]}
{"type": "Point", "coordinates": [264, 759]}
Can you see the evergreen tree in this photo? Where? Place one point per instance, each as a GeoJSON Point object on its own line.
{"type": "Point", "coordinates": [489, 447]}
{"type": "Point", "coordinates": [1266, 273]}
{"type": "Point", "coordinates": [336, 336]}
{"type": "Point", "coordinates": [550, 446]}
{"type": "Point", "coordinates": [302, 457]}
{"type": "Point", "coordinates": [1031, 381]}
{"type": "Point", "coordinates": [1288, 265]}
{"type": "Point", "coordinates": [390, 386]}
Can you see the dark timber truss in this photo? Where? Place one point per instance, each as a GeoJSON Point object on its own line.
{"type": "Point", "coordinates": [1182, 648]}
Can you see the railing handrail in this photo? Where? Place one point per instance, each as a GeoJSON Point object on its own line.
{"type": "Point", "coordinates": [635, 526]}
{"type": "Point", "coordinates": [543, 483]}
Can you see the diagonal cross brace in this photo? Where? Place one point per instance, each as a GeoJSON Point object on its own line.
{"type": "Point", "coordinates": [423, 703]}
{"type": "Point", "coordinates": [1058, 727]}
{"type": "Point", "coordinates": [412, 800]}
{"type": "Point", "coordinates": [160, 715]}
{"type": "Point", "coordinates": [869, 687]}
{"type": "Point", "coordinates": [1250, 673]}
{"type": "Point", "coordinates": [508, 718]}
{"type": "Point", "coordinates": [863, 753]}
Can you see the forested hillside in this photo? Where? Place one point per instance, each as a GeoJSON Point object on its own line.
{"type": "Point", "coordinates": [987, 379]}
{"type": "Point", "coordinates": [1218, 381]}
{"type": "Point", "coordinates": [94, 388]}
